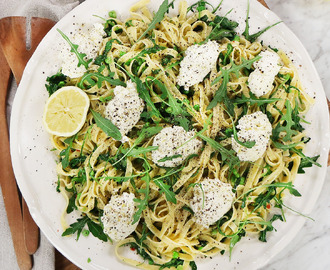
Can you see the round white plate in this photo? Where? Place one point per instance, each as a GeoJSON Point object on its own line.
{"type": "Point", "coordinates": [34, 163]}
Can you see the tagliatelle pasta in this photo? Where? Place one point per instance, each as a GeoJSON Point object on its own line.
{"type": "Point", "coordinates": [94, 166]}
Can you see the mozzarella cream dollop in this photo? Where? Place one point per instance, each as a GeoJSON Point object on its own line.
{"type": "Point", "coordinates": [89, 42]}
{"type": "Point", "coordinates": [169, 141]}
{"type": "Point", "coordinates": [252, 127]}
{"type": "Point", "coordinates": [217, 201]}
{"type": "Point", "coordinates": [197, 63]}
{"type": "Point", "coordinates": [125, 108]}
{"type": "Point", "coordinates": [117, 217]}
{"type": "Point", "coordinates": [262, 78]}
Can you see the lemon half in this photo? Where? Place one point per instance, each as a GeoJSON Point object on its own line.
{"type": "Point", "coordinates": [65, 111]}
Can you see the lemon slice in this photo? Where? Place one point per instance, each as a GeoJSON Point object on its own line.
{"type": "Point", "coordinates": [65, 111]}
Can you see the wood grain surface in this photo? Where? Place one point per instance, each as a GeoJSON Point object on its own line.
{"type": "Point", "coordinates": [7, 177]}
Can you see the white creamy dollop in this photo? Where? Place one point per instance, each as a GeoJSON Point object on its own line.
{"type": "Point", "coordinates": [212, 199]}
{"type": "Point", "coordinates": [89, 42]}
{"type": "Point", "coordinates": [118, 215]}
{"type": "Point", "coordinates": [125, 108]}
{"type": "Point", "coordinates": [262, 78]}
{"type": "Point", "coordinates": [197, 63]}
{"type": "Point", "coordinates": [169, 141]}
{"type": "Point", "coordinates": [252, 127]}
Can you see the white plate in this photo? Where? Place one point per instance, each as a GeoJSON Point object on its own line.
{"type": "Point", "coordinates": [34, 163]}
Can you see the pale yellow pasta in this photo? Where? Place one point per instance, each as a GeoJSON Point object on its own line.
{"type": "Point", "coordinates": [171, 227]}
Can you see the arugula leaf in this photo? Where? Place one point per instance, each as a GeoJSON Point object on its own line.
{"type": "Point", "coordinates": [142, 203]}
{"type": "Point", "coordinates": [287, 125]}
{"type": "Point", "coordinates": [169, 158]}
{"type": "Point", "coordinates": [193, 265]}
{"type": "Point", "coordinates": [269, 228]}
{"type": "Point", "coordinates": [246, 33]}
{"type": "Point", "coordinates": [169, 194]}
{"type": "Point", "coordinates": [226, 155]}
{"type": "Point", "coordinates": [180, 115]}
{"type": "Point", "coordinates": [254, 100]}
{"type": "Point", "coordinates": [154, 49]}
{"type": "Point", "coordinates": [102, 58]}
{"type": "Point", "coordinates": [142, 89]}
{"type": "Point", "coordinates": [107, 126]}
{"type": "Point", "coordinates": [221, 93]}
{"type": "Point", "coordinates": [66, 152]}
{"type": "Point", "coordinates": [224, 28]}
{"type": "Point", "coordinates": [307, 162]}
{"type": "Point", "coordinates": [187, 208]}
{"type": "Point", "coordinates": [76, 227]}
{"type": "Point", "coordinates": [234, 240]}
{"type": "Point", "coordinates": [174, 262]}
{"type": "Point", "coordinates": [90, 79]}
{"type": "Point", "coordinates": [76, 162]}
{"type": "Point", "coordinates": [230, 49]}
{"type": "Point", "coordinates": [141, 150]}
{"type": "Point", "coordinates": [96, 230]}
{"type": "Point", "coordinates": [247, 144]}
{"type": "Point", "coordinates": [72, 204]}
{"type": "Point", "coordinates": [55, 82]}
{"type": "Point", "coordinates": [74, 49]}
{"type": "Point", "coordinates": [157, 18]}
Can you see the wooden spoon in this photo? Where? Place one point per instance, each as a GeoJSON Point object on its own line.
{"type": "Point", "coordinates": [13, 39]}
{"type": "Point", "coordinates": [7, 178]}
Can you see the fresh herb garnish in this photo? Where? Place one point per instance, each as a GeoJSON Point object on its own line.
{"type": "Point", "coordinates": [246, 33]}
{"type": "Point", "coordinates": [166, 189]}
{"type": "Point", "coordinates": [74, 49]}
{"type": "Point", "coordinates": [107, 126]}
{"type": "Point", "coordinates": [78, 226]}
{"type": "Point", "coordinates": [269, 228]}
{"type": "Point", "coordinates": [157, 18]}
{"type": "Point", "coordinates": [180, 115]}
{"type": "Point", "coordinates": [96, 78]}
{"type": "Point", "coordinates": [227, 156]}
{"type": "Point", "coordinates": [252, 99]}
{"type": "Point", "coordinates": [142, 203]}
{"type": "Point", "coordinates": [65, 153]}
{"type": "Point", "coordinates": [221, 93]}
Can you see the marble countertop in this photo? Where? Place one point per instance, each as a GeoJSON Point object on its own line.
{"type": "Point", "coordinates": [309, 20]}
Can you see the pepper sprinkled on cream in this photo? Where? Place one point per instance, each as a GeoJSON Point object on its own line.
{"type": "Point", "coordinates": [212, 199]}
{"type": "Point", "coordinates": [253, 127]}
{"type": "Point", "coordinates": [117, 217]}
{"type": "Point", "coordinates": [198, 62]}
{"type": "Point", "coordinates": [262, 78]}
{"type": "Point", "coordinates": [125, 108]}
{"type": "Point", "coordinates": [171, 143]}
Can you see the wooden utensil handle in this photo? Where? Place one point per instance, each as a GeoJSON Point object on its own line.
{"type": "Point", "coordinates": [31, 230]}
{"type": "Point", "coordinates": [7, 178]}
